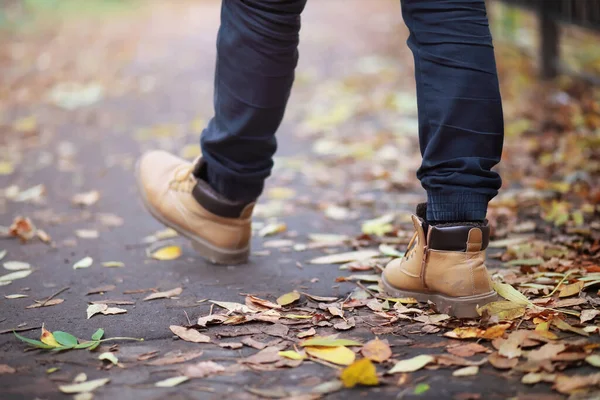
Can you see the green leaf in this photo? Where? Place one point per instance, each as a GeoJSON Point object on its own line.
{"type": "Point", "coordinates": [32, 342]}
{"type": "Point", "coordinates": [93, 347]}
{"type": "Point", "coordinates": [85, 345]}
{"type": "Point", "coordinates": [421, 388]}
{"type": "Point", "coordinates": [64, 338]}
{"type": "Point", "coordinates": [98, 334]}
{"type": "Point", "coordinates": [61, 348]}
{"type": "Point", "coordinates": [329, 342]}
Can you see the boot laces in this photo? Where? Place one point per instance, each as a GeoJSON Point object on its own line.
{"type": "Point", "coordinates": [183, 179]}
{"type": "Point", "coordinates": [412, 245]}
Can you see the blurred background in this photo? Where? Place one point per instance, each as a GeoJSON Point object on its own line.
{"type": "Point", "coordinates": [85, 86]}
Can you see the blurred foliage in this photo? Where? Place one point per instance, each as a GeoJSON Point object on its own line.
{"type": "Point", "coordinates": [23, 14]}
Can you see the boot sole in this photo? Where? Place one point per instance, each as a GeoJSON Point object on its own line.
{"type": "Point", "coordinates": [214, 254]}
{"type": "Point", "coordinates": [459, 307]}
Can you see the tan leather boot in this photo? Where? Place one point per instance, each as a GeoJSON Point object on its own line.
{"type": "Point", "coordinates": [445, 265]}
{"type": "Point", "coordinates": [219, 230]}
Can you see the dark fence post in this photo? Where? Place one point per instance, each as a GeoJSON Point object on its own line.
{"type": "Point", "coordinates": [549, 41]}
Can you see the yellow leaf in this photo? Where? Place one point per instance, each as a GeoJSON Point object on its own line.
{"type": "Point", "coordinates": [281, 193]}
{"type": "Point", "coordinates": [377, 350]}
{"type": "Point", "coordinates": [6, 168]}
{"type": "Point", "coordinates": [403, 300]}
{"type": "Point", "coordinates": [167, 253]}
{"type": "Point", "coordinates": [288, 298]}
{"type": "Point", "coordinates": [338, 355]}
{"type": "Point", "coordinates": [361, 372]}
{"type": "Point", "coordinates": [190, 151]}
{"type": "Point", "coordinates": [504, 310]}
{"type": "Point", "coordinates": [292, 355]}
{"type": "Point", "coordinates": [48, 338]}
{"type": "Point", "coordinates": [511, 294]}
{"type": "Point", "coordinates": [572, 289]}
{"type": "Point", "coordinates": [412, 364]}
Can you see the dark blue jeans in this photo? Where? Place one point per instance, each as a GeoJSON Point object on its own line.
{"type": "Point", "coordinates": [460, 111]}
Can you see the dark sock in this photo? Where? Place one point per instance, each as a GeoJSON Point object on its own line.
{"type": "Point", "coordinates": [422, 213]}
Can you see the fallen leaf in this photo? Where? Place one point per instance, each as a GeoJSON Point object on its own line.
{"type": "Point", "coordinates": [22, 228]}
{"type": "Point", "coordinates": [175, 358]}
{"type": "Point", "coordinates": [338, 355]}
{"type": "Point", "coordinates": [303, 334]}
{"type": "Point", "coordinates": [80, 377]}
{"type": "Point", "coordinates": [503, 310]}
{"type": "Point", "coordinates": [466, 350]}
{"type": "Point", "coordinates": [288, 298]}
{"type": "Point", "coordinates": [377, 350]}
{"type": "Point", "coordinates": [189, 334]}
{"type": "Point", "coordinates": [203, 369]}
{"type": "Point", "coordinates": [452, 360]}
{"type": "Point", "coordinates": [262, 302]}
{"type": "Point", "coordinates": [546, 352]}
{"type": "Point", "coordinates": [110, 357]}
{"type": "Point", "coordinates": [335, 311]}
{"type": "Point", "coordinates": [167, 253]}
{"type": "Point", "coordinates": [147, 356]}
{"type": "Point", "coordinates": [203, 321]}
{"type": "Point", "coordinates": [6, 369]}
{"type": "Point", "coordinates": [421, 388]}
{"type": "Point", "coordinates": [532, 378]}
{"type": "Point", "coordinates": [49, 303]}
{"type": "Point", "coordinates": [567, 384]}
{"type": "Point", "coordinates": [272, 229]}
{"type": "Point", "coordinates": [171, 382]}
{"type": "Point", "coordinates": [164, 295]}
{"type": "Point", "coordinates": [292, 355]}
{"type": "Point", "coordinates": [101, 289]}
{"type": "Point", "coordinates": [110, 220]}
{"type": "Point", "coordinates": [15, 275]}
{"type": "Point", "coordinates": [564, 326]}
{"type": "Point", "coordinates": [113, 264]}
{"type": "Point", "coordinates": [231, 345]}
{"type": "Point", "coordinates": [466, 371]}
{"type": "Point", "coordinates": [511, 347]}
{"type": "Point", "coordinates": [48, 338]}
{"type": "Point", "coordinates": [94, 309]}
{"type": "Point", "coordinates": [411, 364]}
{"type": "Point", "coordinates": [593, 360]}
{"type": "Point", "coordinates": [160, 235]}
{"type": "Point", "coordinates": [113, 311]}
{"type": "Point", "coordinates": [86, 198]}
{"type": "Point", "coordinates": [500, 362]}
{"type": "Point", "coordinates": [16, 265]}
{"type": "Point", "coordinates": [265, 356]}
{"type": "Point", "coordinates": [328, 387]}
{"type": "Point", "coordinates": [361, 372]}
{"type": "Point", "coordinates": [588, 315]}
{"type": "Point", "coordinates": [345, 325]}
{"type": "Point", "coordinates": [572, 289]}
{"type": "Point", "coordinates": [511, 294]}
{"type": "Point", "coordinates": [329, 342]}
{"type": "Point", "coordinates": [320, 298]}
{"type": "Point", "coordinates": [233, 307]}
{"type": "Point", "coordinates": [15, 296]}
{"type": "Point", "coordinates": [345, 257]}
{"type": "Point", "coordinates": [87, 233]}
{"type": "Point", "coordinates": [85, 262]}
{"type": "Point", "coordinates": [253, 343]}
{"type": "Point", "coordinates": [83, 387]}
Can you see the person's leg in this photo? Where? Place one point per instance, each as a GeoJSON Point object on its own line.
{"type": "Point", "coordinates": [211, 201]}
{"type": "Point", "coordinates": [256, 57]}
{"type": "Point", "coordinates": [460, 112]}
{"type": "Point", "coordinates": [461, 135]}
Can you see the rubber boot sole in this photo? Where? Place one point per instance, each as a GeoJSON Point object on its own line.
{"type": "Point", "coordinates": [459, 307]}
{"type": "Point", "coordinates": [212, 253]}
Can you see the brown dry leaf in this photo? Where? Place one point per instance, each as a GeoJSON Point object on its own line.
{"type": "Point", "coordinates": [189, 334]}
{"type": "Point", "coordinates": [49, 303]}
{"type": "Point", "coordinates": [568, 384]}
{"type": "Point", "coordinates": [253, 343]}
{"type": "Point", "coordinates": [572, 289]}
{"type": "Point", "coordinates": [511, 347]}
{"type": "Point", "coordinates": [335, 311]}
{"type": "Point", "coordinates": [262, 303]}
{"type": "Point", "coordinates": [277, 330]}
{"type": "Point", "coordinates": [319, 298]}
{"type": "Point", "coordinates": [377, 350]}
{"type": "Point", "coordinates": [86, 199]}
{"type": "Point", "coordinates": [22, 228]}
{"type": "Point", "coordinates": [500, 362]}
{"type": "Point", "coordinates": [471, 332]}
{"type": "Point", "coordinates": [265, 356]}
{"type": "Point", "coordinates": [288, 298]}
{"type": "Point", "coordinates": [113, 311]}
{"type": "Point", "coordinates": [303, 334]}
{"type": "Point", "coordinates": [466, 350]}
{"type": "Point", "coordinates": [345, 325]}
{"type": "Point", "coordinates": [6, 369]}
{"type": "Point", "coordinates": [164, 295]}
{"type": "Point", "coordinates": [452, 360]}
{"type": "Point", "coordinates": [231, 345]}
{"type": "Point", "coordinates": [588, 315]}
{"type": "Point", "coordinates": [101, 289]}
{"type": "Point", "coordinates": [546, 352]}
{"type": "Point", "coordinates": [203, 369]}
{"type": "Point", "coordinates": [203, 321]}
{"type": "Point", "coordinates": [175, 358]}
{"type": "Point", "coordinates": [147, 356]}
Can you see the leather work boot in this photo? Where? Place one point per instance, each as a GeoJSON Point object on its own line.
{"type": "Point", "coordinates": [444, 265]}
{"type": "Point", "coordinates": [219, 229]}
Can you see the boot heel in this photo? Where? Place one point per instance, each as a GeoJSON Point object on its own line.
{"type": "Point", "coordinates": [218, 256]}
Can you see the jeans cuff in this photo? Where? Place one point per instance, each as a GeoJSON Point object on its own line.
{"type": "Point", "coordinates": [456, 206]}
{"type": "Point", "coordinates": [234, 188]}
